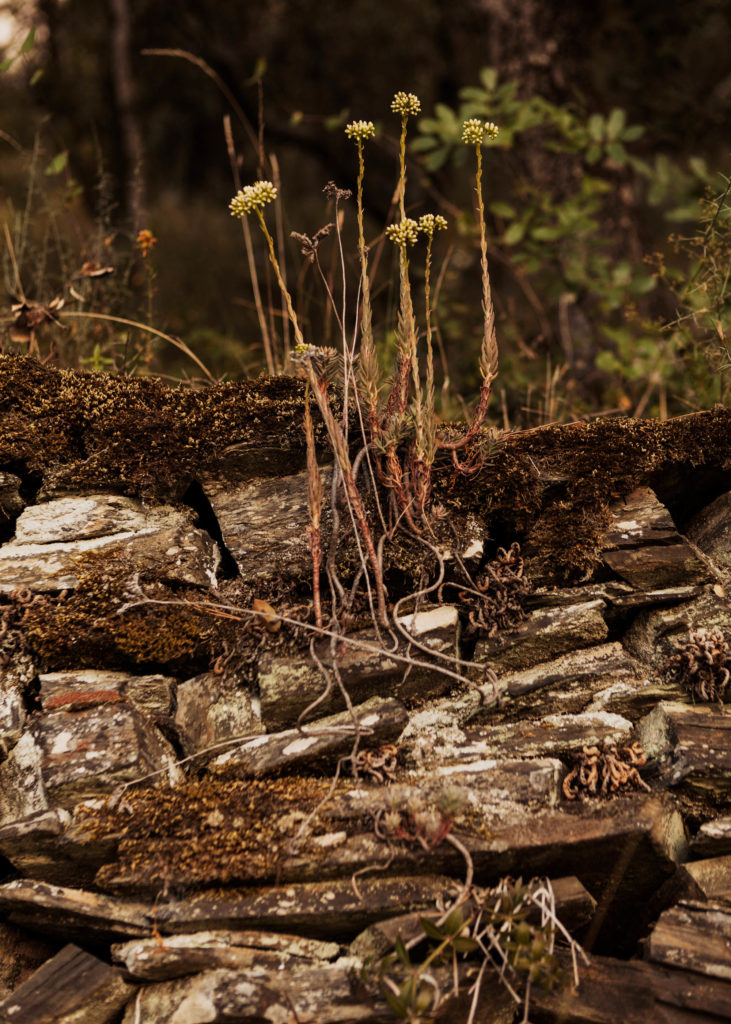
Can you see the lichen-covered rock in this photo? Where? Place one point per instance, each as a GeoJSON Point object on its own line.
{"type": "Point", "coordinates": [547, 633]}
{"type": "Point", "coordinates": [645, 549]}
{"type": "Point", "coordinates": [50, 538]}
{"type": "Point", "coordinates": [264, 525]}
{"type": "Point", "coordinates": [86, 753]}
{"type": "Point", "coordinates": [22, 790]}
{"type": "Point", "coordinates": [85, 688]}
{"type": "Point", "coordinates": [211, 710]}
{"type": "Point", "coordinates": [655, 633]}
{"type": "Point", "coordinates": [178, 955]}
{"type": "Point", "coordinates": [367, 668]}
{"type": "Point", "coordinates": [12, 715]}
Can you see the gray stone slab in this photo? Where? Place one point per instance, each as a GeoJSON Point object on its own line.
{"type": "Point", "coordinates": [264, 524]}
{"type": "Point", "coordinates": [326, 739]}
{"type": "Point", "coordinates": [84, 688]}
{"type": "Point", "coordinates": [287, 686]}
{"type": "Point", "coordinates": [546, 634]}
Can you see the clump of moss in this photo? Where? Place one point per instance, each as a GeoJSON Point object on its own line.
{"type": "Point", "coordinates": [135, 436]}
{"type": "Point", "coordinates": [83, 629]}
{"type": "Point", "coordinates": [204, 834]}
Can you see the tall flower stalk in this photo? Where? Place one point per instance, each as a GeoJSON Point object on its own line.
{"type": "Point", "coordinates": [474, 132]}
{"type": "Point", "coordinates": [252, 199]}
{"type": "Point", "coordinates": [359, 132]}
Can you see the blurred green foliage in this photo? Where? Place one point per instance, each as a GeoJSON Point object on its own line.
{"type": "Point", "coordinates": [568, 193]}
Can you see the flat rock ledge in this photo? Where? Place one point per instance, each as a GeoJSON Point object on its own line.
{"type": "Point", "coordinates": [186, 833]}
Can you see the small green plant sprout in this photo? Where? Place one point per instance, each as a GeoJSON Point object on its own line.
{"type": "Point", "coordinates": [511, 930]}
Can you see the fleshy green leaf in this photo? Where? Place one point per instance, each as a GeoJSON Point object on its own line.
{"type": "Point", "coordinates": [58, 163]}
{"type": "Point", "coordinates": [29, 41]}
{"type": "Point", "coordinates": [431, 930]}
{"type": "Point", "coordinates": [501, 209]}
{"type": "Point", "coordinates": [402, 952]}
{"type": "Point", "coordinates": [615, 123]}
{"type": "Point", "coordinates": [515, 233]}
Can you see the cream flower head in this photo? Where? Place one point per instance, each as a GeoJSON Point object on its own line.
{"type": "Point", "coordinates": [405, 103]}
{"type": "Point", "coordinates": [403, 234]}
{"type": "Point", "coordinates": [474, 130]}
{"type": "Point", "coordinates": [431, 222]}
{"type": "Point", "coordinates": [252, 197]}
{"type": "Point", "coordinates": [360, 130]}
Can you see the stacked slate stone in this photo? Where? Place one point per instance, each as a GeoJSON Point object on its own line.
{"type": "Point", "coordinates": [185, 836]}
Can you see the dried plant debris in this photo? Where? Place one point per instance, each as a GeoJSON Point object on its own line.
{"type": "Point", "coordinates": [702, 664]}
{"type": "Point", "coordinates": [497, 603]}
{"type": "Point", "coordinates": [605, 772]}
{"type": "Point", "coordinates": [379, 765]}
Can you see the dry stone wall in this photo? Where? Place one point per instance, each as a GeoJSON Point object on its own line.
{"type": "Point", "coordinates": [175, 843]}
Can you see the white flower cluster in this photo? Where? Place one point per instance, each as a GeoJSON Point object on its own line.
{"type": "Point", "coordinates": [404, 233]}
{"type": "Point", "coordinates": [405, 103]}
{"type": "Point", "coordinates": [252, 197]}
{"type": "Point", "coordinates": [474, 130]}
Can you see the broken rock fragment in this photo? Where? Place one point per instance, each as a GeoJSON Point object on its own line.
{"type": "Point", "coordinates": [211, 711]}
{"type": "Point", "coordinates": [72, 987]}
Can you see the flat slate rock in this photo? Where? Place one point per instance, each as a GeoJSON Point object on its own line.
{"type": "Point", "coordinates": [50, 539]}
{"type": "Point", "coordinates": [211, 710]}
{"type": "Point", "coordinates": [12, 717]}
{"type": "Point", "coordinates": [694, 936]}
{"type": "Point", "coordinates": [87, 753]}
{"type": "Point", "coordinates": [656, 633]}
{"type": "Point", "coordinates": [77, 913]}
{"type": "Point", "coordinates": [711, 531]}
{"type": "Point", "coordinates": [263, 994]}
{"type": "Point", "coordinates": [73, 987]}
{"type": "Point", "coordinates": [320, 910]}
{"type": "Point", "coordinates": [178, 955]}
{"type": "Point", "coordinates": [713, 838]}
{"type": "Point", "coordinates": [614, 991]}
{"type": "Point", "coordinates": [544, 635]}
{"type": "Point", "coordinates": [552, 735]}
{"type": "Point", "coordinates": [326, 739]}
{"type": "Point", "coordinates": [84, 688]}
{"type": "Point", "coordinates": [263, 525]}
{"type": "Point", "coordinates": [692, 743]}
{"type": "Point", "coordinates": [643, 547]}
{"type": "Point", "coordinates": [565, 684]}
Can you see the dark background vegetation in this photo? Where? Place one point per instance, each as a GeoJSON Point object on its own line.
{"type": "Point", "coordinates": [100, 140]}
